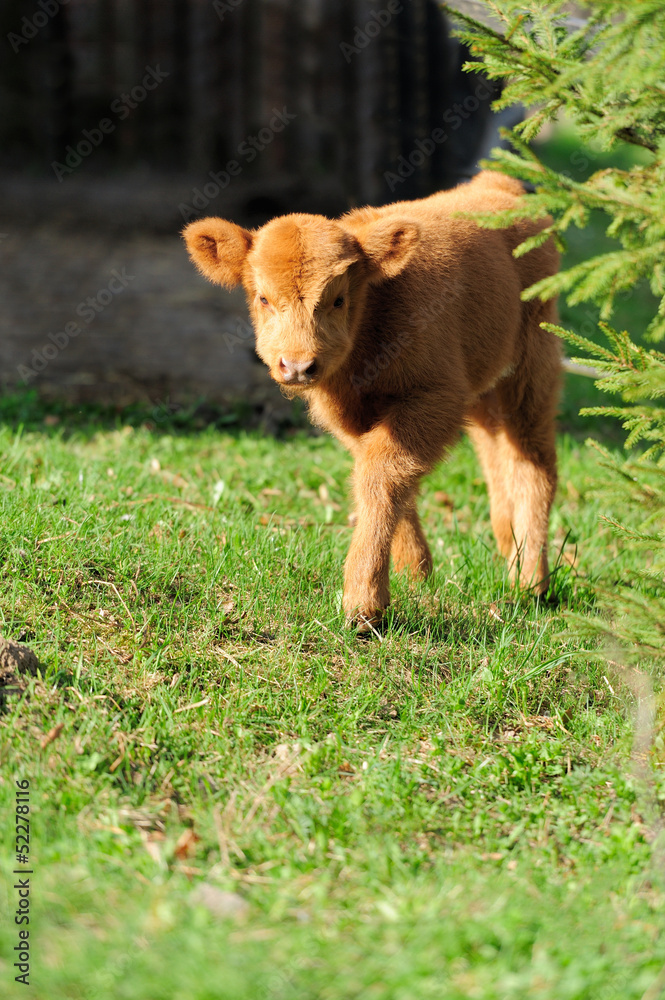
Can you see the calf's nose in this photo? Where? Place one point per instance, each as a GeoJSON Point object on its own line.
{"type": "Point", "coordinates": [297, 371]}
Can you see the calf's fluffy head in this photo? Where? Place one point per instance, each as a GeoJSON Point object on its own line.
{"type": "Point", "coordinates": [305, 278]}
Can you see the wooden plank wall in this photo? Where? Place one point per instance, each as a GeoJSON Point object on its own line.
{"type": "Point", "coordinates": [229, 64]}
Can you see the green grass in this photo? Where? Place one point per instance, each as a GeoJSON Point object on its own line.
{"type": "Point", "coordinates": [448, 813]}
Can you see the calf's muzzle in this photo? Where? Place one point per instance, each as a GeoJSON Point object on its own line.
{"type": "Point", "coordinates": [297, 371]}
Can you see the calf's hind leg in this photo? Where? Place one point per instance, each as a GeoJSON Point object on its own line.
{"type": "Point", "coordinates": [488, 440]}
{"type": "Point", "coordinates": [513, 432]}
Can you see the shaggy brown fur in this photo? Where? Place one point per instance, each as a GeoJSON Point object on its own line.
{"type": "Point", "coordinates": [401, 325]}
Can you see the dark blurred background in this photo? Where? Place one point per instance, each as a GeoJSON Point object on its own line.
{"type": "Point", "coordinates": [120, 120]}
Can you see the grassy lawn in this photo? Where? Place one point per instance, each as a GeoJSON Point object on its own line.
{"type": "Point", "coordinates": [450, 811]}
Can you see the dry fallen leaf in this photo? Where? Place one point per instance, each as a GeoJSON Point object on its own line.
{"type": "Point", "coordinates": [287, 755]}
{"type": "Point", "coordinates": [52, 735]}
{"type": "Point", "coordinates": [174, 479]}
{"type": "Point", "coordinates": [196, 704]}
{"type": "Point", "coordinates": [186, 844]}
{"type": "Point", "coordinates": [542, 721]}
{"type": "Point", "coordinates": [188, 870]}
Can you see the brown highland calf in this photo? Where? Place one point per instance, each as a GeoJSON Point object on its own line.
{"type": "Point", "coordinates": [401, 326]}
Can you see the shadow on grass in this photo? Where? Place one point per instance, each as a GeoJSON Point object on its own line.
{"type": "Point", "coordinates": [27, 410]}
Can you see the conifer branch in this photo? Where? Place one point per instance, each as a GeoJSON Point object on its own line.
{"type": "Point", "coordinates": [606, 76]}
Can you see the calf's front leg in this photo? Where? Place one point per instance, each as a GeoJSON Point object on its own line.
{"type": "Point", "coordinates": [385, 479]}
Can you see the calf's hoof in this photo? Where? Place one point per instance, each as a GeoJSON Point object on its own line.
{"type": "Point", "coordinates": [363, 615]}
{"type": "Point", "coordinates": [365, 622]}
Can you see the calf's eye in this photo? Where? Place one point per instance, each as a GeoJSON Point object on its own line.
{"type": "Point", "coordinates": [339, 302]}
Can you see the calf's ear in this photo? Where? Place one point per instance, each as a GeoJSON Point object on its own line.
{"type": "Point", "coordinates": [218, 248]}
{"type": "Point", "coordinates": [388, 245]}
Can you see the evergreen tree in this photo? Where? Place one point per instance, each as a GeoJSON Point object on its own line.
{"type": "Point", "coordinates": [605, 72]}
